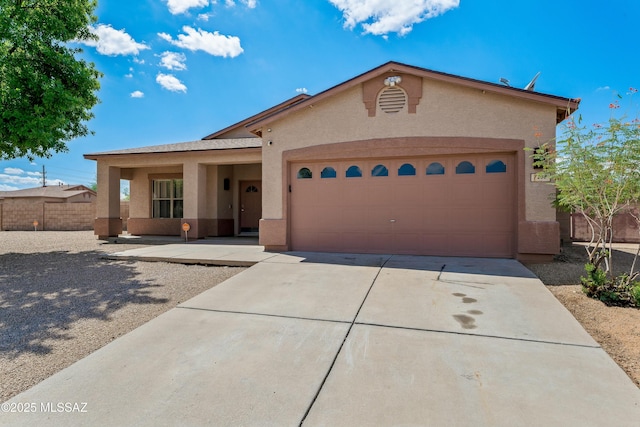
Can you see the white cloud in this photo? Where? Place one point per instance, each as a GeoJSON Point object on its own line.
{"type": "Point", "coordinates": [4, 187]}
{"type": "Point", "coordinates": [34, 173]}
{"type": "Point", "coordinates": [181, 6]}
{"type": "Point", "coordinates": [114, 42]}
{"type": "Point", "coordinates": [13, 171]}
{"type": "Point", "coordinates": [137, 94]}
{"type": "Point", "coordinates": [380, 17]}
{"type": "Point", "coordinates": [213, 43]}
{"type": "Point", "coordinates": [251, 4]}
{"type": "Point", "coordinates": [173, 61]}
{"type": "Point", "coordinates": [603, 88]}
{"type": "Point", "coordinates": [204, 17]}
{"type": "Point", "coordinates": [170, 82]}
{"type": "Point", "coordinates": [19, 180]}
{"type": "Point", "coordinates": [302, 90]}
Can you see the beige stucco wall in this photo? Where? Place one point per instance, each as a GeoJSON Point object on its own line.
{"type": "Point", "coordinates": [444, 110]}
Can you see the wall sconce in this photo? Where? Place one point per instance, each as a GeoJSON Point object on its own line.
{"type": "Point", "coordinates": [392, 81]}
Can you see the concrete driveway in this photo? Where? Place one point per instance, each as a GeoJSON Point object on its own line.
{"type": "Point", "coordinates": [349, 340]}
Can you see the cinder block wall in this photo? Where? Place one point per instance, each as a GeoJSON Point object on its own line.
{"type": "Point", "coordinates": [69, 216]}
{"type": "Point", "coordinates": [19, 215]}
{"type": "Point", "coordinates": [625, 229]}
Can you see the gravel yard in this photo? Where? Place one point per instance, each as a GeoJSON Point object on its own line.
{"type": "Point", "coordinates": [616, 329]}
{"type": "Point", "coordinates": [60, 300]}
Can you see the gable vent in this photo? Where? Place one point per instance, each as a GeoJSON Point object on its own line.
{"type": "Point", "coordinates": [392, 100]}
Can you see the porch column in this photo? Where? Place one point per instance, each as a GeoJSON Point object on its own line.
{"type": "Point", "coordinates": [108, 222]}
{"type": "Point", "coordinates": [195, 198]}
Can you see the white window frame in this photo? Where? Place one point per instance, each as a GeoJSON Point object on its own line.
{"type": "Point", "coordinates": [172, 197]}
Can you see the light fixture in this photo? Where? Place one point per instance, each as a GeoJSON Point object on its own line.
{"type": "Point", "coordinates": [392, 81]}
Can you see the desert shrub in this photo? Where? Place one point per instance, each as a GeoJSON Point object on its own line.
{"type": "Point", "coordinates": [635, 293]}
{"type": "Point", "coordinates": [612, 291]}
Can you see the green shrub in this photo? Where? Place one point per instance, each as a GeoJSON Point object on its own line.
{"type": "Point", "coordinates": [612, 291]}
{"type": "Point", "coordinates": [635, 293]}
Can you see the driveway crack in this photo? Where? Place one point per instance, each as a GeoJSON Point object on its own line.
{"type": "Point", "coordinates": [335, 358]}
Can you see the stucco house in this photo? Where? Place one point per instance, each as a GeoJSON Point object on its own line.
{"type": "Point", "coordinates": [399, 159]}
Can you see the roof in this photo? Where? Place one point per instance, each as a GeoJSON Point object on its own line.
{"type": "Point", "coordinates": [564, 106]}
{"type": "Point", "coordinates": [242, 125]}
{"type": "Point", "coordinates": [54, 191]}
{"type": "Point", "coordinates": [182, 147]}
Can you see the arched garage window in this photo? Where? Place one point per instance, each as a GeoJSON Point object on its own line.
{"type": "Point", "coordinates": [328, 172]}
{"type": "Point", "coordinates": [380, 170]}
{"type": "Point", "coordinates": [496, 166]}
{"type": "Point", "coordinates": [354, 172]}
{"type": "Point", "coordinates": [465, 167]}
{"type": "Point", "coordinates": [304, 173]}
{"type": "Point", "coordinates": [435, 168]}
{"type": "Point", "coordinates": [406, 170]}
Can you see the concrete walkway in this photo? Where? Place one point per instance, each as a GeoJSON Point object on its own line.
{"type": "Point", "coordinates": [350, 340]}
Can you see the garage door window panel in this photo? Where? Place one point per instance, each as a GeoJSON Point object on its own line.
{"type": "Point", "coordinates": [305, 173]}
{"type": "Point", "coordinates": [465, 167]}
{"type": "Point", "coordinates": [380, 170]}
{"type": "Point", "coordinates": [435, 168]}
{"type": "Point", "coordinates": [407, 169]}
{"type": "Point", "coordinates": [496, 166]}
{"type": "Point", "coordinates": [354, 172]}
{"type": "Point", "coordinates": [328, 172]}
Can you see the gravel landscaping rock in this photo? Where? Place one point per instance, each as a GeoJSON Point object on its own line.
{"type": "Point", "coordinates": [60, 300]}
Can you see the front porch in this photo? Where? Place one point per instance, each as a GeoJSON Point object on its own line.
{"type": "Point", "coordinates": [218, 192]}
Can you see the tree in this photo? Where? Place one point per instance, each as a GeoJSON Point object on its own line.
{"type": "Point", "coordinates": [46, 93]}
{"type": "Point", "coordinates": [596, 171]}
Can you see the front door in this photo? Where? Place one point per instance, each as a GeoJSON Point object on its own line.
{"type": "Point", "coordinates": [250, 205]}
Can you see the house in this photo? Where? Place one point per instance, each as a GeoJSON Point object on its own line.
{"type": "Point", "coordinates": [57, 207]}
{"type": "Point", "coordinates": [399, 159]}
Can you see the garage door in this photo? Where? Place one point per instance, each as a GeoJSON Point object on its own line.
{"type": "Point", "coordinates": [455, 206]}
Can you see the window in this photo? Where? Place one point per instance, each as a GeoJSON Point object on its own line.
{"type": "Point", "coordinates": [354, 172]}
{"type": "Point", "coordinates": [406, 170]}
{"type": "Point", "coordinates": [328, 172]}
{"type": "Point", "coordinates": [251, 189]}
{"type": "Point", "coordinates": [380, 170]}
{"type": "Point", "coordinates": [167, 198]}
{"type": "Point", "coordinates": [435, 168]}
{"type": "Point", "coordinates": [465, 167]}
{"type": "Point", "coordinates": [496, 166]}
{"type": "Point", "coordinates": [305, 173]}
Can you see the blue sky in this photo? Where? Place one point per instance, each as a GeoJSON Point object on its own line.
{"type": "Point", "coordinates": [178, 70]}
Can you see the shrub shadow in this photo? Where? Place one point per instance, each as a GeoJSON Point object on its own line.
{"type": "Point", "coordinates": [43, 294]}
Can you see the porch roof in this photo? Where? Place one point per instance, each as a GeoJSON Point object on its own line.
{"type": "Point", "coordinates": [182, 147]}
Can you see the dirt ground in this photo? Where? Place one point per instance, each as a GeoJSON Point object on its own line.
{"type": "Point", "coordinates": [616, 329]}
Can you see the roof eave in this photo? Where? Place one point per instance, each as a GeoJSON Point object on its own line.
{"type": "Point", "coordinates": [243, 124]}
{"type": "Point", "coordinates": [97, 156]}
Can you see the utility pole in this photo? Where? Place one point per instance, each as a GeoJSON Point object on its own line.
{"type": "Point", "coordinates": [44, 177]}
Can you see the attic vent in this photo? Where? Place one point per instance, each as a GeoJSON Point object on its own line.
{"type": "Point", "coordinates": [392, 100]}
